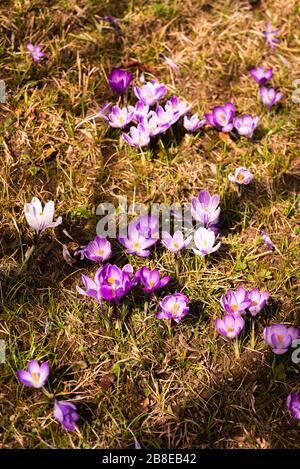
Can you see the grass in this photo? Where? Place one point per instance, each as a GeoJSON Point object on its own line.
{"type": "Point", "coordinates": [174, 388]}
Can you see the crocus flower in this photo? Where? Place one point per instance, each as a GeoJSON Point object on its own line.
{"type": "Point", "coordinates": [270, 35]}
{"type": "Point", "coordinates": [167, 115]}
{"type": "Point", "coordinates": [119, 80]}
{"type": "Point", "coordinates": [171, 63]}
{"type": "Point", "coordinates": [177, 106]}
{"type": "Point", "coordinates": [205, 209]}
{"type": "Point", "coordinates": [293, 405]}
{"type": "Point", "coordinates": [35, 376]}
{"type": "Point", "coordinates": [138, 136]}
{"type": "Point", "coordinates": [92, 287]}
{"type": "Point", "coordinates": [280, 337]}
{"type": "Point", "coordinates": [65, 413]}
{"type": "Point", "coordinates": [155, 125]}
{"type": "Point", "coordinates": [246, 125]}
{"type": "Point", "coordinates": [98, 250]}
{"type": "Point", "coordinates": [267, 241]}
{"type": "Point", "coordinates": [150, 279]}
{"type": "Point", "coordinates": [258, 300]}
{"type": "Point", "coordinates": [140, 111]}
{"type": "Point", "coordinates": [35, 52]}
{"type": "Point", "coordinates": [260, 75]}
{"type": "Point", "coordinates": [115, 282]}
{"type": "Point", "coordinates": [242, 175]}
{"type": "Point", "coordinates": [230, 326]}
{"type": "Point", "coordinates": [38, 218]}
{"type": "Point", "coordinates": [176, 242]}
{"type": "Point", "coordinates": [136, 243]}
{"type": "Point", "coordinates": [148, 226]}
{"type": "Point", "coordinates": [119, 118]}
{"type": "Point", "coordinates": [222, 116]}
{"type": "Point", "coordinates": [173, 307]}
{"type": "Point", "coordinates": [269, 97]}
{"type": "Point", "coordinates": [204, 240]}
{"type": "Point", "coordinates": [236, 302]}
{"type": "Point", "coordinates": [192, 124]}
{"type": "Point", "coordinates": [150, 92]}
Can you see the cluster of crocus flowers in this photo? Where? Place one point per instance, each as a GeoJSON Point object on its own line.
{"type": "Point", "coordinates": [280, 337]}
{"type": "Point", "coordinates": [39, 218]}
{"type": "Point", "coordinates": [268, 96]}
{"type": "Point", "coordinates": [35, 52]}
{"type": "Point", "coordinates": [110, 283]}
{"type": "Point", "coordinates": [235, 304]}
{"type": "Point", "coordinates": [223, 117]}
{"type": "Point", "coordinates": [36, 376]}
{"type": "Point", "coordinates": [173, 307]}
{"type": "Point", "coordinates": [241, 176]}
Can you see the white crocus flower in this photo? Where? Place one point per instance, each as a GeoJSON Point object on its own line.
{"type": "Point", "coordinates": [204, 240]}
{"type": "Point", "coordinates": [40, 219]}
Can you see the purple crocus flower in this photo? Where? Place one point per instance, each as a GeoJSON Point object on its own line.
{"type": "Point", "coordinates": [148, 226]}
{"type": "Point", "coordinates": [119, 118]}
{"type": "Point", "coordinates": [205, 209]}
{"type": "Point", "coordinates": [115, 282]}
{"type": "Point", "coordinates": [176, 242]}
{"type": "Point", "coordinates": [192, 124]}
{"type": "Point", "coordinates": [92, 287]}
{"type": "Point", "coordinates": [65, 413]}
{"type": "Point", "coordinates": [293, 405]}
{"type": "Point", "coordinates": [280, 337]}
{"type": "Point", "coordinates": [136, 243]}
{"type": "Point", "coordinates": [236, 302]}
{"type": "Point", "coordinates": [98, 250]}
{"type": "Point", "coordinates": [138, 136]}
{"type": "Point", "coordinates": [230, 326]}
{"type": "Point", "coordinates": [260, 75]}
{"type": "Point", "coordinates": [269, 97]}
{"type": "Point", "coordinates": [246, 125]}
{"type": "Point", "coordinates": [242, 175]}
{"type": "Point", "coordinates": [155, 125]}
{"type": "Point", "coordinates": [173, 307]}
{"type": "Point", "coordinates": [177, 106]}
{"type": "Point", "coordinates": [222, 116]}
{"type": "Point", "coordinates": [35, 376]}
{"type": "Point", "coordinates": [258, 300]}
{"type": "Point", "coordinates": [119, 80]}
{"type": "Point", "coordinates": [150, 92]}
{"type": "Point", "coordinates": [150, 279]}
{"type": "Point", "coordinates": [167, 115]}
{"type": "Point", "coordinates": [267, 241]}
{"type": "Point", "coordinates": [270, 35]}
{"type": "Point", "coordinates": [35, 52]}
{"type": "Point", "coordinates": [204, 241]}
{"type": "Point", "coordinates": [141, 111]}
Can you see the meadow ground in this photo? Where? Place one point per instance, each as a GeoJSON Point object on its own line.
{"type": "Point", "coordinates": [174, 388]}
